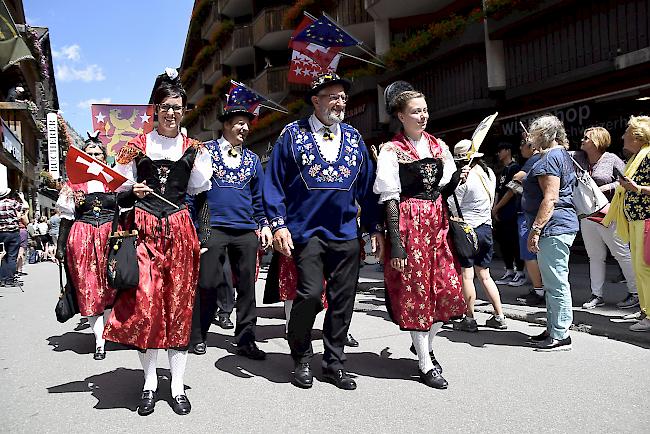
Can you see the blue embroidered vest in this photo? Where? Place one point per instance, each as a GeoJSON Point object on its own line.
{"type": "Point", "coordinates": [224, 176]}
{"type": "Point", "coordinates": [318, 174]}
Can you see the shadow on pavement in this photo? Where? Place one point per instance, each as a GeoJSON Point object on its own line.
{"type": "Point", "coordinates": [80, 343]}
{"type": "Point", "coordinates": [276, 368]}
{"type": "Point", "coordinates": [486, 336]}
{"type": "Point", "coordinates": [271, 312]}
{"type": "Point", "coordinates": [380, 365]}
{"type": "Point", "coordinates": [116, 389]}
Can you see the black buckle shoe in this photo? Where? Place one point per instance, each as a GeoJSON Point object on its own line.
{"type": "Point", "coordinates": [302, 376]}
{"type": "Point", "coordinates": [181, 405]}
{"type": "Point", "coordinates": [433, 379]}
{"type": "Point", "coordinates": [147, 402]}
{"type": "Point", "coordinates": [224, 322]}
{"type": "Point", "coordinates": [534, 340]}
{"type": "Point", "coordinates": [350, 341]}
{"type": "Point", "coordinates": [340, 379]}
{"type": "Point", "coordinates": [251, 351]}
{"type": "Point", "coordinates": [198, 349]}
{"type": "Point", "coordinates": [100, 354]}
{"type": "Point", "coordinates": [433, 358]}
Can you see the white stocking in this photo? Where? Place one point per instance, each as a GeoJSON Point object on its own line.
{"type": "Point", "coordinates": [420, 342]}
{"type": "Point", "coordinates": [288, 304]}
{"type": "Point", "coordinates": [435, 328]}
{"type": "Point", "coordinates": [177, 362]}
{"type": "Point", "coordinates": [149, 360]}
{"type": "Point", "coordinates": [97, 324]}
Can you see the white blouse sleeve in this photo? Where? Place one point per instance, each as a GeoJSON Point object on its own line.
{"type": "Point", "coordinates": [129, 171]}
{"type": "Point", "coordinates": [65, 204]}
{"type": "Point", "coordinates": [201, 173]}
{"type": "Point", "coordinates": [449, 167]}
{"type": "Point", "coordinates": [387, 184]}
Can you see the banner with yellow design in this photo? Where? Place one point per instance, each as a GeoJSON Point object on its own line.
{"type": "Point", "coordinates": [119, 123]}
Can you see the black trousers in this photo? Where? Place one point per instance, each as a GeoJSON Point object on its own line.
{"type": "Point", "coordinates": [506, 233]}
{"type": "Point", "coordinates": [241, 248]}
{"type": "Point", "coordinates": [338, 263]}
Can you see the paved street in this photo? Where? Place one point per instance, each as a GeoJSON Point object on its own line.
{"type": "Point", "coordinates": [50, 382]}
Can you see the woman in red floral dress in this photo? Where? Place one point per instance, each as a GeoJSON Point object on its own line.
{"type": "Point", "coordinates": [414, 171]}
{"type": "Point", "coordinates": [87, 212]}
{"type": "Point", "coordinates": [158, 313]}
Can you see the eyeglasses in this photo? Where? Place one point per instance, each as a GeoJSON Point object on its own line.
{"type": "Point", "coordinates": [175, 108]}
{"type": "Point", "coordinates": [343, 97]}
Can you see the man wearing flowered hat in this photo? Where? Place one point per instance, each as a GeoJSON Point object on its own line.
{"type": "Point", "coordinates": [236, 214]}
{"type": "Point", "coordinates": [319, 171]}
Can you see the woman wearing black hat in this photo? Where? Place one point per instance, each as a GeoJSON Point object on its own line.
{"type": "Point", "coordinates": [158, 313]}
{"type": "Point", "coordinates": [423, 287]}
{"type": "Point", "coordinates": [86, 214]}
{"type": "Point", "coordinates": [236, 213]}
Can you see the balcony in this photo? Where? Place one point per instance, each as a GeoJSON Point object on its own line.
{"type": "Point", "coordinates": [211, 22]}
{"type": "Point", "coordinates": [268, 31]}
{"type": "Point", "coordinates": [209, 121]}
{"type": "Point", "coordinates": [196, 90]}
{"type": "Point", "coordinates": [239, 49]}
{"type": "Point", "coordinates": [272, 82]}
{"type": "Point", "coordinates": [350, 12]}
{"type": "Point", "coordinates": [212, 71]}
{"type": "Point", "coordinates": [235, 8]}
{"type": "Point", "coordinates": [383, 9]}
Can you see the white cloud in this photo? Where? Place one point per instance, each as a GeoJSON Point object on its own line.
{"type": "Point", "coordinates": [87, 103]}
{"type": "Point", "coordinates": [92, 72]}
{"type": "Point", "coordinates": [68, 52]}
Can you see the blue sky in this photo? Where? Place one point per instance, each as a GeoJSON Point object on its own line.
{"type": "Point", "coordinates": [109, 51]}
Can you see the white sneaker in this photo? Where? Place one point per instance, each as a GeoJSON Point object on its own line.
{"type": "Point", "coordinates": [641, 326]}
{"type": "Point", "coordinates": [638, 316]}
{"type": "Point", "coordinates": [506, 278]}
{"type": "Point", "coordinates": [518, 280]}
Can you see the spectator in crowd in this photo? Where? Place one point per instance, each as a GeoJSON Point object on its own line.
{"type": "Point", "coordinates": [55, 222]}
{"type": "Point", "coordinates": [630, 209]}
{"type": "Point", "coordinates": [42, 229]}
{"type": "Point", "coordinates": [22, 251]}
{"type": "Point", "coordinates": [551, 216]}
{"type": "Point", "coordinates": [594, 158]}
{"type": "Point", "coordinates": [535, 296]}
{"type": "Point", "coordinates": [504, 219]}
{"type": "Point", "coordinates": [10, 215]}
{"type": "Point", "coordinates": [475, 197]}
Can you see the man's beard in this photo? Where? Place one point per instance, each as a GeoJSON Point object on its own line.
{"type": "Point", "coordinates": [334, 118]}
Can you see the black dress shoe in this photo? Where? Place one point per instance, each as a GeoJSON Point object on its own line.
{"type": "Point", "coordinates": [181, 405]}
{"type": "Point", "coordinates": [350, 341]}
{"type": "Point", "coordinates": [433, 379]}
{"type": "Point", "coordinates": [534, 340]}
{"type": "Point", "coordinates": [302, 376]}
{"type": "Point", "coordinates": [433, 358]}
{"type": "Point", "coordinates": [147, 402]}
{"type": "Point", "coordinates": [198, 349]}
{"type": "Point", "coordinates": [251, 351]}
{"type": "Point", "coordinates": [340, 379]}
{"type": "Point", "coordinates": [100, 354]}
{"type": "Point", "coordinates": [224, 322]}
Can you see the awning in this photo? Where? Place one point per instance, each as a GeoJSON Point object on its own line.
{"type": "Point", "coordinates": [12, 47]}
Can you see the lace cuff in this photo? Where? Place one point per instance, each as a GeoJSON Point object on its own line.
{"type": "Point", "coordinates": [392, 221]}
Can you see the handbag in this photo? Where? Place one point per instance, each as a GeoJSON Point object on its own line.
{"type": "Point", "coordinates": [587, 197]}
{"type": "Point", "coordinates": [462, 234]}
{"type": "Point", "coordinates": [122, 267]}
{"type": "Point", "coordinates": [66, 307]}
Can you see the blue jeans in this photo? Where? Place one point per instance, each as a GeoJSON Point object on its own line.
{"type": "Point", "coordinates": [553, 259]}
{"type": "Point", "coordinates": [11, 241]}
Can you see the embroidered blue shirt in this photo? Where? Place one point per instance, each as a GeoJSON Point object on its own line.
{"type": "Point", "coordinates": [235, 196]}
{"type": "Point", "coordinates": [312, 197]}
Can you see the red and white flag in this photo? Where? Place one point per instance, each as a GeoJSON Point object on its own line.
{"type": "Point", "coordinates": [81, 168]}
{"type": "Point", "coordinates": [304, 69]}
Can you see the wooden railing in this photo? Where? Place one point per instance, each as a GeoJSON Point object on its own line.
{"type": "Point", "coordinates": [269, 20]}
{"type": "Point", "coordinates": [210, 71]}
{"type": "Point", "coordinates": [241, 37]}
{"type": "Point", "coordinates": [272, 80]}
{"type": "Point", "coordinates": [350, 12]}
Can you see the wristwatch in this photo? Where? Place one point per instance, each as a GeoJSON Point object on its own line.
{"type": "Point", "coordinates": [536, 229]}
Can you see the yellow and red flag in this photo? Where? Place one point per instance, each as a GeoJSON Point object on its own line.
{"type": "Point", "coordinates": [119, 123]}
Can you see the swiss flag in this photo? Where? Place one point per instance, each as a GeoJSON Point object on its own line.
{"type": "Point", "coordinates": [81, 168]}
{"type": "Point", "coordinates": [322, 55]}
{"type": "Point", "coordinates": [304, 69]}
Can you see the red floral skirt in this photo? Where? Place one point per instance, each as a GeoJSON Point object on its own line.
{"type": "Point", "coordinates": [86, 257]}
{"type": "Point", "coordinates": [158, 313]}
{"type": "Point", "coordinates": [288, 280]}
{"type": "Point", "coordinates": [429, 289]}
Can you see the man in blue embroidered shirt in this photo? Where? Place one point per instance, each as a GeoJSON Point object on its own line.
{"type": "Point", "coordinates": [236, 213]}
{"type": "Point", "coordinates": [319, 171]}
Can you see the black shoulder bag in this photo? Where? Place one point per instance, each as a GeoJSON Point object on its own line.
{"type": "Point", "coordinates": [462, 234]}
{"type": "Point", "coordinates": [122, 266]}
{"type": "Point", "coordinates": [66, 307]}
